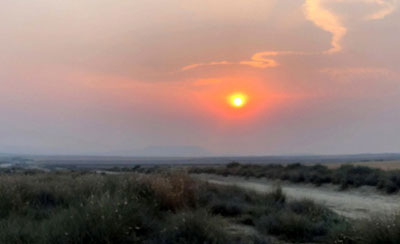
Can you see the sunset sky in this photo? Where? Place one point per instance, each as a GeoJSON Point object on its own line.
{"type": "Point", "coordinates": [130, 77]}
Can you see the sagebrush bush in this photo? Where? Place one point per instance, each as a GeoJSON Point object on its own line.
{"type": "Point", "coordinates": [344, 176]}
{"type": "Point", "coordinates": [175, 191]}
{"type": "Point", "coordinates": [300, 221]}
{"type": "Point", "coordinates": [93, 208]}
{"type": "Point", "coordinates": [192, 227]}
{"type": "Point", "coordinates": [272, 214]}
{"type": "Point", "coordinates": [168, 208]}
{"type": "Point", "coordinates": [379, 230]}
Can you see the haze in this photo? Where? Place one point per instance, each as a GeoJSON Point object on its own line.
{"type": "Point", "coordinates": [126, 77]}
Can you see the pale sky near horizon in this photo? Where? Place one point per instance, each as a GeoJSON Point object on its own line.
{"type": "Point", "coordinates": [119, 76]}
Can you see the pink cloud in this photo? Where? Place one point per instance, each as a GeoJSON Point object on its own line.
{"type": "Point", "coordinates": [322, 17]}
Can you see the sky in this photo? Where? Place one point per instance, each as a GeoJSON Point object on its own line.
{"type": "Point", "coordinates": [145, 77]}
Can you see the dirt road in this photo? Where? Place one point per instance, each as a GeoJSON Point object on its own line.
{"type": "Point", "coordinates": [364, 202]}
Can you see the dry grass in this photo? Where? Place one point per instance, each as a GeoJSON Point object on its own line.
{"type": "Point", "coordinates": [92, 208]}
{"type": "Point", "coordinates": [176, 190]}
{"type": "Point", "coordinates": [168, 208]}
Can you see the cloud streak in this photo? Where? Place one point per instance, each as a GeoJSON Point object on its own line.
{"type": "Point", "coordinates": [322, 17]}
{"type": "Point", "coordinates": [326, 20]}
{"type": "Point", "coordinates": [387, 7]}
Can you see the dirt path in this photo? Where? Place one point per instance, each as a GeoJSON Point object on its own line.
{"type": "Point", "coordinates": [355, 203]}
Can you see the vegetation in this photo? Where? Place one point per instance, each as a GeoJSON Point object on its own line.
{"type": "Point", "coordinates": [90, 208]}
{"type": "Point", "coordinates": [344, 176]}
{"type": "Point", "coordinates": [82, 207]}
{"type": "Point", "coordinates": [272, 214]}
{"type": "Point", "coordinates": [381, 230]}
{"type": "Point", "coordinates": [168, 208]}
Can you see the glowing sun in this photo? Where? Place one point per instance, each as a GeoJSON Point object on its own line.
{"type": "Point", "coordinates": [237, 100]}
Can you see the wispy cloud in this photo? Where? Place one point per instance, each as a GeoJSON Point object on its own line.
{"type": "Point", "coordinates": [386, 8]}
{"type": "Point", "coordinates": [262, 60]}
{"type": "Point", "coordinates": [192, 66]}
{"type": "Point", "coordinates": [325, 19]}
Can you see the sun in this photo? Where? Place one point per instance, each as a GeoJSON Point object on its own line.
{"type": "Point", "coordinates": [237, 100]}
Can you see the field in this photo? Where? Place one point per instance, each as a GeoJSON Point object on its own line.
{"type": "Point", "coordinates": [151, 205]}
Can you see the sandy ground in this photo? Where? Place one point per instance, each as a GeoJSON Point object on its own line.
{"type": "Point", "coordinates": [357, 203]}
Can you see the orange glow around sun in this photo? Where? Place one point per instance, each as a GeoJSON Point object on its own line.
{"type": "Point", "coordinates": [237, 100]}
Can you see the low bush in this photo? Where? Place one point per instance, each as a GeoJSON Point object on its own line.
{"type": "Point", "coordinates": [300, 221]}
{"type": "Point", "coordinates": [192, 227]}
{"type": "Point", "coordinates": [93, 208]}
{"type": "Point", "coordinates": [344, 176]}
{"type": "Point", "coordinates": [379, 230]}
{"type": "Point", "coordinates": [272, 214]}
{"type": "Point", "coordinates": [168, 208]}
